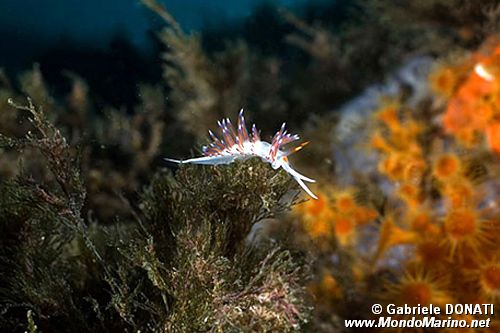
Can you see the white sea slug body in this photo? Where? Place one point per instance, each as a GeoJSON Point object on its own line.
{"type": "Point", "coordinates": [240, 145]}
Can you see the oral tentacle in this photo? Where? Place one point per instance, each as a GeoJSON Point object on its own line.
{"type": "Point", "coordinates": [295, 174]}
{"type": "Point", "coordinates": [305, 188]}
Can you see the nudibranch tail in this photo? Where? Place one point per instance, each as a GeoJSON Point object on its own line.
{"type": "Point", "coordinates": [206, 160]}
{"type": "Point", "coordinates": [172, 160]}
{"type": "Point", "coordinates": [239, 144]}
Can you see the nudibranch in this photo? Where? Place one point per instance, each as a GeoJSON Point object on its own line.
{"type": "Point", "coordinates": [240, 145]}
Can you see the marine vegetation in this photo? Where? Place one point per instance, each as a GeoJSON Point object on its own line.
{"type": "Point", "coordinates": [401, 103]}
{"type": "Point", "coordinates": [201, 268]}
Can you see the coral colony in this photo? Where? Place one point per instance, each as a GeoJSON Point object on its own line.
{"type": "Point", "coordinates": [440, 222]}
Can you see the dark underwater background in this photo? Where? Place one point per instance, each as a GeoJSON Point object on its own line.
{"type": "Point", "coordinates": [399, 101]}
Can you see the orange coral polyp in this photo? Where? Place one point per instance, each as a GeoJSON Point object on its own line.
{"type": "Point", "coordinates": [345, 203]}
{"type": "Point", "coordinates": [344, 229]}
{"type": "Point", "coordinates": [363, 215]}
{"type": "Point", "coordinates": [413, 200]}
{"type": "Point", "coordinates": [460, 193]}
{"type": "Point", "coordinates": [461, 224]}
{"type": "Point", "coordinates": [415, 293]}
{"type": "Point", "coordinates": [420, 221]}
{"type": "Point", "coordinates": [493, 136]}
{"type": "Point", "coordinates": [319, 228]}
{"type": "Point", "coordinates": [409, 192]}
{"type": "Point", "coordinates": [430, 252]}
{"type": "Point", "coordinates": [414, 169]}
{"type": "Point", "coordinates": [418, 287]}
{"type": "Point", "coordinates": [446, 166]}
{"type": "Point", "coordinates": [316, 207]}
{"type": "Point", "coordinates": [330, 286]}
{"type": "Point", "coordinates": [389, 116]}
{"type": "Point", "coordinates": [458, 116]}
{"type": "Point", "coordinates": [444, 81]}
{"type": "Point", "coordinates": [393, 166]}
{"type": "Point", "coordinates": [380, 143]}
{"type": "Point", "coordinates": [490, 279]}
{"type": "Point", "coordinates": [343, 226]}
{"type": "Point", "coordinates": [392, 235]}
